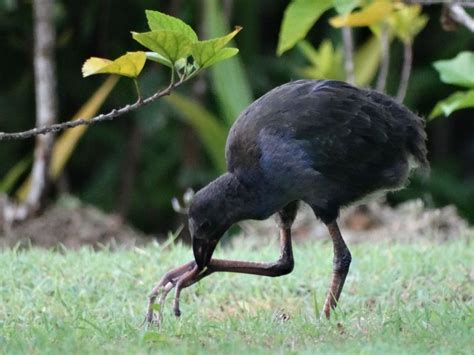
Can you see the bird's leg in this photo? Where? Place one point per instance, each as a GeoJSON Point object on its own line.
{"type": "Point", "coordinates": [341, 262]}
{"type": "Point", "coordinates": [284, 265]}
{"type": "Point", "coordinates": [188, 274]}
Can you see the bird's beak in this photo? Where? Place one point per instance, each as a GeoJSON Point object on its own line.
{"type": "Point", "coordinates": [203, 250]}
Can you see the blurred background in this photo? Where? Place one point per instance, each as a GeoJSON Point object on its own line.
{"type": "Point", "coordinates": [133, 167]}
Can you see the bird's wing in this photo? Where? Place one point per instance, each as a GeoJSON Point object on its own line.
{"type": "Point", "coordinates": [350, 133]}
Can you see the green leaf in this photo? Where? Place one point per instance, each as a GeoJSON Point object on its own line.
{"type": "Point", "coordinates": [457, 71]}
{"type": "Point", "coordinates": [160, 21]}
{"type": "Point", "coordinates": [153, 56]}
{"type": "Point", "coordinates": [210, 130]}
{"type": "Point", "coordinates": [206, 52]}
{"type": "Point", "coordinates": [130, 65]}
{"type": "Point", "coordinates": [229, 80]}
{"type": "Point", "coordinates": [299, 17]}
{"type": "Point", "coordinates": [457, 101]}
{"type": "Point", "coordinates": [169, 44]}
{"type": "Point", "coordinates": [345, 6]}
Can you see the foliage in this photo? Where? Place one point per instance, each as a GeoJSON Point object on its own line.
{"type": "Point", "coordinates": [402, 21]}
{"type": "Point", "coordinates": [371, 14]}
{"type": "Point", "coordinates": [211, 131]}
{"type": "Point", "coordinates": [299, 17]}
{"type": "Point", "coordinates": [166, 164]}
{"type": "Point", "coordinates": [130, 65]}
{"type": "Point", "coordinates": [418, 301]}
{"type": "Point", "coordinates": [229, 79]}
{"type": "Point", "coordinates": [172, 42]}
{"type": "Point", "coordinates": [457, 71]}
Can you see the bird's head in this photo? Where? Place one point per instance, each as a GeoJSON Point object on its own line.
{"type": "Point", "coordinates": [209, 218]}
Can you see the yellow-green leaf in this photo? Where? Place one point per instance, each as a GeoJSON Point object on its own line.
{"type": "Point", "coordinates": [366, 61]}
{"type": "Point", "coordinates": [67, 141]}
{"type": "Point", "coordinates": [12, 176]}
{"type": "Point", "coordinates": [206, 53]}
{"type": "Point", "coordinates": [299, 17]}
{"type": "Point", "coordinates": [223, 54]}
{"type": "Point", "coordinates": [169, 44]}
{"type": "Point", "coordinates": [208, 127]}
{"type": "Point", "coordinates": [407, 22]}
{"type": "Point", "coordinates": [130, 65]}
{"type": "Point", "coordinates": [457, 101]}
{"type": "Point", "coordinates": [373, 13]}
{"type": "Point", "coordinates": [160, 21]}
{"type": "Point", "coordinates": [326, 61]}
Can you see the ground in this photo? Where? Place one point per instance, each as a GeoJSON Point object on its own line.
{"type": "Point", "coordinates": [411, 297]}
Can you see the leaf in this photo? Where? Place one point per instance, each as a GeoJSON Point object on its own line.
{"type": "Point", "coordinates": [169, 44]}
{"type": "Point", "coordinates": [371, 14]}
{"type": "Point", "coordinates": [12, 176]}
{"type": "Point", "coordinates": [229, 80]}
{"type": "Point", "coordinates": [67, 141]}
{"type": "Point", "coordinates": [153, 56]}
{"type": "Point", "coordinates": [345, 6]}
{"type": "Point", "coordinates": [223, 54]}
{"type": "Point", "coordinates": [457, 71]}
{"type": "Point", "coordinates": [129, 65]}
{"type": "Point", "coordinates": [457, 101]}
{"type": "Point", "coordinates": [327, 62]}
{"type": "Point", "coordinates": [407, 22]}
{"type": "Point", "coordinates": [206, 52]}
{"type": "Point", "coordinates": [299, 17]}
{"type": "Point", "coordinates": [160, 21]}
{"type": "Point", "coordinates": [366, 61]}
{"type": "Point", "coordinates": [210, 130]}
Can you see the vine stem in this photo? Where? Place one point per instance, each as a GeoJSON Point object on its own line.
{"type": "Point", "coordinates": [115, 113]}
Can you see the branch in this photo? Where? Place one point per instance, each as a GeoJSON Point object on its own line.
{"type": "Point", "coordinates": [464, 3]}
{"type": "Point", "coordinates": [406, 71]}
{"type": "Point", "coordinates": [460, 15]}
{"type": "Point", "coordinates": [88, 122]}
{"type": "Point", "coordinates": [348, 54]}
{"type": "Point", "coordinates": [385, 60]}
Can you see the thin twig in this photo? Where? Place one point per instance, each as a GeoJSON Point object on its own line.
{"type": "Point", "coordinates": [406, 71]}
{"type": "Point", "coordinates": [100, 118]}
{"type": "Point", "coordinates": [460, 15]}
{"type": "Point", "coordinates": [464, 3]}
{"type": "Point", "coordinates": [385, 60]}
{"type": "Point", "coordinates": [348, 54]}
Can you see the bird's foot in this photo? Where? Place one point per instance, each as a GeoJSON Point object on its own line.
{"type": "Point", "coordinates": [180, 278]}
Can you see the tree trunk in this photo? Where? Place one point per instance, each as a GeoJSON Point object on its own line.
{"type": "Point", "coordinates": [46, 98]}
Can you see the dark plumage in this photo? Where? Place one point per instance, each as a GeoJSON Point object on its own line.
{"type": "Point", "coordinates": [326, 143]}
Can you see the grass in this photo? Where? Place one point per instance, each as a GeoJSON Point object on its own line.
{"type": "Point", "coordinates": [411, 298]}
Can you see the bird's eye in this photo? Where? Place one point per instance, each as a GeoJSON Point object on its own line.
{"type": "Point", "coordinates": [206, 225]}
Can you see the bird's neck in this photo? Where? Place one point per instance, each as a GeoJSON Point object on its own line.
{"type": "Point", "coordinates": [245, 200]}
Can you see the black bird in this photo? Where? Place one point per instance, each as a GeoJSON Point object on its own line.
{"type": "Point", "coordinates": [326, 143]}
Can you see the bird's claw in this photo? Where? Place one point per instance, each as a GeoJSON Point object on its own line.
{"type": "Point", "coordinates": [180, 278]}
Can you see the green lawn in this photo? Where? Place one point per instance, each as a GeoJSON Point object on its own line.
{"type": "Point", "coordinates": [398, 299]}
